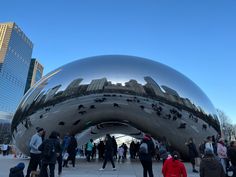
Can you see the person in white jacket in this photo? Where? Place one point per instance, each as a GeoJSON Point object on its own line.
{"type": "Point", "coordinates": [222, 153]}
{"type": "Point", "coordinates": [209, 144]}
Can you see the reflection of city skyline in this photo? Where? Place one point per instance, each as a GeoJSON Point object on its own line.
{"type": "Point", "coordinates": [44, 98]}
{"type": "Point", "coordinates": [151, 89]}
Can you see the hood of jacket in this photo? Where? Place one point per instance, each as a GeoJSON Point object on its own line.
{"type": "Point", "coordinates": [210, 163]}
{"type": "Point", "coordinates": [15, 170]}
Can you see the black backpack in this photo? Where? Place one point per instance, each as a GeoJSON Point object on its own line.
{"type": "Point", "coordinates": [49, 149]}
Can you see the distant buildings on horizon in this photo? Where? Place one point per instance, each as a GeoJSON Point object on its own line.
{"type": "Point", "coordinates": [18, 72]}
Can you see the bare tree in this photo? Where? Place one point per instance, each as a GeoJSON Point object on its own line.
{"type": "Point", "coordinates": [228, 128]}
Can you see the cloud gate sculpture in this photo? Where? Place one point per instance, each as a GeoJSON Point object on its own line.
{"type": "Point", "coordinates": [116, 94]}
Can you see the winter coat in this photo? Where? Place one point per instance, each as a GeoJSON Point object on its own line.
{"type": "Point", "coordinates": [173, 168]}
{"type": "Point", "coordinates": [16, 172]}
{"type": "Point", "coordinates": [109, 148]}
{"type": "Point", "coordinates": [72, 147]}
{"type": "Point", "coordinates": [192, 150]}
{"type": "Point", "coordinates": [211, 167]}
{"type": "Point", "coordinates": [57, 149]}
{"type": "Point", "coordinates": [232, 155]}
{"type": "Point", "coordinates": [151, 150]}
{"type": "Point", "coordinates": [221, 151]}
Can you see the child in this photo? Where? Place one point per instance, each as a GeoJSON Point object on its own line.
{"type": "Point", "coordinates": [17, 171]}
{"type": "Point", "coordinates": [120, 153]}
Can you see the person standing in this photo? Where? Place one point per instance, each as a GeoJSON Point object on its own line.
{"type": "Point", "coordinates": [222, 153]}
{"type": "Point", "coordinates": [120, 153]}
{"type": "Point", "coordinates": [50, 151]}
{"type": "Point", "coordinates": [146, 151]}
{"type": "Point", "coordinates": [4, 149]}
{"type": "Point", "coordinates": [173, 167]}
{"type": "Point", "coordinates": [89, 149]}
{"type": "Point", "coordinates": [35, 154]}
{"type": "Point", "coordinates": [101, 147]}
{"type": "Point", "coordinates": [210, 166]}
{"type": "Point", "coordinates": [72, 150]}
{"type": "Point", "coordinates": [232, 156]}
{"type": "Point", "coordinates": [209, 144]}
{"type": "Point", "coordinates": [192, 151]}
{"type": "Point", "coordinates": [108, 152]}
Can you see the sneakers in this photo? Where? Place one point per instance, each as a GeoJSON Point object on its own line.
{"type": "Point", "coordinates": [195, 171]}
{"type": "Point", "coordinates": [101, 169]}
{"type": "Point", "coordinates": [114, 169]}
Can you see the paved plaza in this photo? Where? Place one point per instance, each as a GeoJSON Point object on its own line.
{"type": "Point", "coordinates": [91, 169]}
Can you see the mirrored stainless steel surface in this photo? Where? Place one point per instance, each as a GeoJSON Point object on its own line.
{"type": "Point", "coordinates": [140, 93]}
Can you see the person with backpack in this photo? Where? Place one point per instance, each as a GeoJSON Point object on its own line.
{"type": "Point", "coordinates": [146, 151]}
{"type": "Point", "coordinates": [17, 171]}
{"type": "Point", "coordinates": [173, 167]}
{"type": "Point", "coordinates": [50, 151]}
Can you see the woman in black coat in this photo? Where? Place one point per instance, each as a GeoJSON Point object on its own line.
{"type": "Point", "coordinates": [192, 150]}
{"type": "Point", "coordinates": [50, 151]}
{"type": "Point", "coordinates": [108, 152]}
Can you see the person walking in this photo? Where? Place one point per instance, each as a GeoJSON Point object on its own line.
{"type": "Point", "coordinates": [173, 167]}
{"type": "Point", "coordinates": [108, 152]}
{"type": "Point", "coordinates": [210, 166]}
{"type": "Point", "coordinates": [35, 154]}
{"type": "Point", "coordinates": [50, 151]}
{"type": "Point", "coordinates": [146, 151]}
{"type": "Point", "coordinates": [192, 151]}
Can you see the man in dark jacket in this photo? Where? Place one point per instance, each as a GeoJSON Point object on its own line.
{"type": "Point", "coordinates": [210, 166]}
{"type": "Point", "coordinates": [17, 171]}
{"type": "Point", "coordinates": [108, 152]}
{"type": "Point", "coordinates": [49, 159]}
{"type": "Point", "coordinates": [146, 157]}
{"type": "Point", "coordinates": [192, 151]}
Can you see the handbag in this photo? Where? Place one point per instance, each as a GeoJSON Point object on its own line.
{"type": "Point", "coordinates": [65, 156]}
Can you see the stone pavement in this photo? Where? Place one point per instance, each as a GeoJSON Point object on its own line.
{"type": "Point", "coordinates": [90, 169]}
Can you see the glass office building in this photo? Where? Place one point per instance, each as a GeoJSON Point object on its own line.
{"type": "Point", "coordinates": [35, 73]}
{"type": "Point", "coordinates": [15, 57]}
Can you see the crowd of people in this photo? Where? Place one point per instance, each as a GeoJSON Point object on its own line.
{"type": "Point", "coordinates": [215, 157]}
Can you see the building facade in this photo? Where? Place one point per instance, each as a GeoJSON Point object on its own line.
{"type": "Point", "coordinates": [35, 73]}
{"type": "Point", "coordinates": [15, 56]}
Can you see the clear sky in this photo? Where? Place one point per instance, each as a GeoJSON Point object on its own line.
{"type": "Point", "coordinates": [195, 37]}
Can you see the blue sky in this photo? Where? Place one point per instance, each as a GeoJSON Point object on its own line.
{"type": "Point", "coordinates": [195, 37]}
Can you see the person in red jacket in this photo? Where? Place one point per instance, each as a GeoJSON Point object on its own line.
{"type": "Point", "coordinates": [173, 167]}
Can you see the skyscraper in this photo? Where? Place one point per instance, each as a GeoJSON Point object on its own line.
{"type": "Point", "coordinates": [15, 56]}
{"type": "Point", "coordinates": [35, 73]}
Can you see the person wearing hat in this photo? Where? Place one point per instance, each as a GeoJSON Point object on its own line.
{"type": "Point", "coordinates": [17, 171]}
{"type": "Point", "coordinates": [210, 166]}
{"type": "Point", "coordinates": [222, 153]}
{"type": "Point", "coordinates": [146, 151]}
{"type": "Point", "coordinates": [35, 154]}
{"type": "Point", "coordinates": [173, 167]}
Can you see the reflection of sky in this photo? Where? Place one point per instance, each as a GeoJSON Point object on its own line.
{"type": "Point", "coordinates": [120, 69]}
